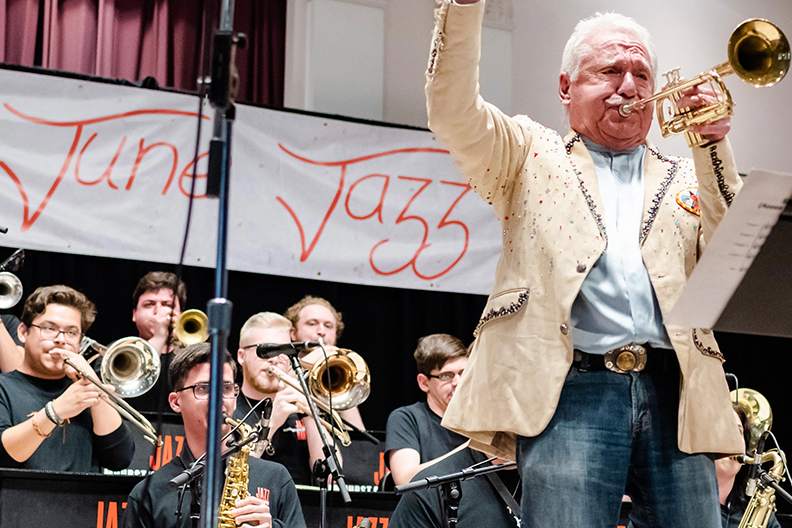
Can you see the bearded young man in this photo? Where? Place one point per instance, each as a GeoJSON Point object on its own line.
{"type": "Point", "coordinates": [574, 373]}
{"type": "Point", "coordinates": [293, 438]}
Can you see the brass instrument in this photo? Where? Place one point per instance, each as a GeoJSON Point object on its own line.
{"type": "Point", "coordinates": [762, 503]}
{"type": "Point", "coordinates": [132, 366]}
{"type": "Point", "coordinates": [759, 420]}
{"type": "Point", "coordinates": [237, 476]}
{"type": "Point", "coordinates": [192, 327]}
{"type": "Point", "coordinates": [10, 290]}
{"type": "Point", "coordinates": [758, 53]}
{"type": "Point", "coordinates": [350, 379]}
{"type": "Point", "coordinates": [339, 430]}
{"type": "Point", "coordinates": [758, 411]}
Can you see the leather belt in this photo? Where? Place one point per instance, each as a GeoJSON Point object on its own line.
{"type": "Point", "coordinates": [627, 358]}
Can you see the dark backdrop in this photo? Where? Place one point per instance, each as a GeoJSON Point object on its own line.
{"type": "Point", "coordinates": [382, 324]}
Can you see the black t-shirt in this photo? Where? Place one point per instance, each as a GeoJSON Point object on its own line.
{"type": "Point", "coordinates": [479, 506]}
{"type": "Point", "coordinates": [157, 508]}
{"type": "Point", "coordinates": [289, 442]}
{"type": "Point", "coordinates": [11, 323]}
{"type": "Point", "coordinates": [156, 398]}
{"type": "Point", "coordinates": [417, 427]}
{"type": "Point", "coordinates": [73, 448]}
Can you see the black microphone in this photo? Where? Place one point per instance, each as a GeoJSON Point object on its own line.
{"type": "Point", "coordinates": [265, 419]}
{"type": "Point", "coordinates": [188, 474]}
{"type": "Point", "coordinates": [270, 350]}
{"type": "Point", "coordinates": [750, 486]}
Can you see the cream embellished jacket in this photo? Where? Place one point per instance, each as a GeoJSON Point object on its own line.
{"type": "Point", "coordinates": [544, 190]}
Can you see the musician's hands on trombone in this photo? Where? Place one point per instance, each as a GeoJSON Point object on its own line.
{"type": "Point", "coordinates": [701, 95]}
{"type": "Point", "coordinates": [84, 394]}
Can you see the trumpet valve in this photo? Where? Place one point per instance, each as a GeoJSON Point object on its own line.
{"type": "Point", "coordinates": [672, 76]}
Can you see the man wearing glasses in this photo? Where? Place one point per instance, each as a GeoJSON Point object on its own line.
{"type": "Point", "coordinates": [414, 435]}
{"type": "Point", "coordinates": [273, 498]}
{"type": "Point", "coordinates": [50, 418]}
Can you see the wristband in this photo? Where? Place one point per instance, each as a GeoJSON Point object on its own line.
{"type": "Point", "coordinates": [36, 427]}
{"type": "Point", "coordinates": [49, 409]}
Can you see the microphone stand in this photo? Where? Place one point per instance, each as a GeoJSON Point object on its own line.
{"type": "Point", "coordinates": [449, 488]}
{"type": "Point", "coordinates": [328, 466]}
{"type": "Point", "coordinates": [222, 91]}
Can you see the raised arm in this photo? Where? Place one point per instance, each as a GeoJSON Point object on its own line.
{"type": "Point", "coordinates": [488, 146]}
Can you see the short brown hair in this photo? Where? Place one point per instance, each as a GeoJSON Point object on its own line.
{"type": "Point", "coordinates": [293, 313]}
{"type": "Point", "coordinates": [157, 280]}
{"type": "Point", "coordinates": [436, 350]}
{"type": "Point", "coordinates": [190, 357]}
{"type": "Point", "coordinates": [37, 302]}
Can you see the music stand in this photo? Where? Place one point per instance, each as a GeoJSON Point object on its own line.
{"type": "Point", "coordinates": [741, 284]}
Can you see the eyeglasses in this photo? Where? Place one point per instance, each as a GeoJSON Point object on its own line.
{"type": "Point", "coordinates": [445, 377]}
{"type": "Point", "coordinates": [201, 390]}
{"type": "Point", "coordinates": [50, 332]}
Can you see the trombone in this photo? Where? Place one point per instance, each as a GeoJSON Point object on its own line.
{"type": "Point", "coordinates": [132, 366]}
{"type": "Point", "coordinates": [758, 52]}
{"type": "Point", "coordinates": [338, 429]}
{"type": "Point", "coordinates": [10, 285]}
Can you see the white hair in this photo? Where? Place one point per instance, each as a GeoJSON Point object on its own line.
{"type": "Point", "coordinates": [577, 46]}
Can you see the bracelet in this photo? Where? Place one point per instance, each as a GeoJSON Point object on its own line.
{"type": "Point", "coordinates": [36, 427]}
{"type": "Point", "coordinates": [49, 410]}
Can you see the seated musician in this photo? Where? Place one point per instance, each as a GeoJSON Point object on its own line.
{"type": "Point", "coordinates": [416, 443]}
{"type": "Point", "coordinates": [312, 318]}
{"type": "Point", "coordinates": [12, 350]}
{"type": "Point", "coordinates": [156, 307]}
{"type": "Point", "coordinates": [273, 498]}
{"type": "Point", "coordinates": [50, 418]}
{"type": "Point", "coordinates": [732, 480]}
{"type": "Point", "coordinates": [294, 439]}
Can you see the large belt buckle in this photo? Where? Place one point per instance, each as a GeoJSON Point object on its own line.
{"type": "Point", "coordinates": [628, 358]}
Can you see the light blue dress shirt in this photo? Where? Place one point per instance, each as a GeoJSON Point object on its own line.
{"type": "Point", "coordinates": [616, 304]}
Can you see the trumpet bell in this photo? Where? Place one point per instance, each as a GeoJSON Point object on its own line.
{"type": "Point", "coordinates": [349, 379]}
{"type": "Point", "coordinates": [131, 365]}
{"type": "Point", "coordinates": [10, 290]}
{"type": "Point", "coordinates": [192, 327]}
{"type": "Point", "coordinates": [759, 52]}
{"type": "Point", "coordinates": [758, 411]}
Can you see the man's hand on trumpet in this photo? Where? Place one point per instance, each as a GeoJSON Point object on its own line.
{"type": "Point", "coordinates": [700, 95]}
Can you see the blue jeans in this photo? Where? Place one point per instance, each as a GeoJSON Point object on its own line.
{"type": "Point", "coordinates": [614, 434]}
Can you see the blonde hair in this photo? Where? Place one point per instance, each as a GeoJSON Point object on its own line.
{"type": "Point", "coordinates": [264, 320]}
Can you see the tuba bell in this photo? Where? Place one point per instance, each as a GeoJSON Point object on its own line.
{"type": "Point", "coordinates": [758, 53]}
{"type": "Point", "coordinates": [344, 378]}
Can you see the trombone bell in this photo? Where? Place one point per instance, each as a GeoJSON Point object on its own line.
{"type": "Point", "coordinates": [349, 379]}
{"type": "Point", "coordinates": [10, 290]}
{"type": "Point", "coordinates": [131, 366]}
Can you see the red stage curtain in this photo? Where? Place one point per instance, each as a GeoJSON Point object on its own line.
{"type": "Point", "coordinates": [134, 39]}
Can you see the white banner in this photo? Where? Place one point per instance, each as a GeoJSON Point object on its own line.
{"type": "Point", "coordinates": [99, 169]}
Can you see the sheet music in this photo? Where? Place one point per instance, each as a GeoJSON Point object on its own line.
{"type": "Point", "coordinates": [732, 250]}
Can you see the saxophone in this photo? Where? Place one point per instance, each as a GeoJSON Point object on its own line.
{"type": "Point", "coordinates": [236, 482]}
{"type": "Point", "coordinates": [762, 503]}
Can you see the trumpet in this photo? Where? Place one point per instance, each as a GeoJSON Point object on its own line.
{"type": "Point", "coordinates": [132, 366]}
{"type": "Point", "coordinates": [338, 429]}
{"type": "Point", "coordinates": [192, 327]}
{"type": "Point", "coordinates": [758, 52]}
